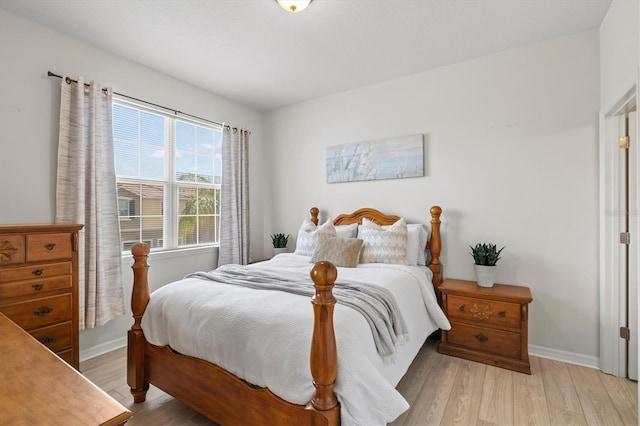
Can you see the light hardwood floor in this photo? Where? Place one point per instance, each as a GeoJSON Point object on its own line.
{"type": "Point", "coordinates": [442, 390]}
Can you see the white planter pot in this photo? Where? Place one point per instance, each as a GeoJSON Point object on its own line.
{"type": "Point", "coordinates": [485, 275]}
{"type": "Point", "coordinates": [279, 250]}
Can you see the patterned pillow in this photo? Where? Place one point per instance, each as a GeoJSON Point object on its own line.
{"type": "Point", "coordinates": [339, 251]}
{"type": "Point", "coordinates": [416, 243]}
{"type": "Point", "coordinates": [384, 245]}
{"type": "Point", "coordinates": [307, 233]}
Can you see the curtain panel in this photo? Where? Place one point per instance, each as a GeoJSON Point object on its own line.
{"type": "Point", "coordinates": [234, 197]}
{"type": "Point", "coordinates": [86, 193]}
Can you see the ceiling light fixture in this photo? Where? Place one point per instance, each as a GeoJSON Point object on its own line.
{"type": "Point", "coordinates": [294, 5]}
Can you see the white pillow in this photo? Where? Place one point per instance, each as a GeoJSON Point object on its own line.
{"type": "Point", "coordinates": [383, 245]}
{"type": "Point", "coordinates": [347, 231]}
{"type": "Point", "coordinates": [307, 233]}
{"type": "Point", "coordinates": [419, 231]}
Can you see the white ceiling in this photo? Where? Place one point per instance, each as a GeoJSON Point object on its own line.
{"type": "Point", "coordinates": [255, 53]}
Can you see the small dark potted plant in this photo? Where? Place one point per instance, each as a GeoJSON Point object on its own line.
{"type": "Point", "coordinates": [485, 256]}
{"type": "Point", "coordinates": [279, 242]}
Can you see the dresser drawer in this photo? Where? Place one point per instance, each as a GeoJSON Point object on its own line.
{"type": "Point", "coordinates": [55, 337]}
{"type": "Point", "coordinates": [485, 311]}
{"type": "Point", "coordinates": [42, 247]}
{"type": "Point", "coordinates": [39, 312]}
{"type": "Point", "coordinates": [35, 271]}
{"type": "Point", "coordinates": [11, 249]}
{"type": "Point", "coordinates": [35, 287]}
{"type": "Point", "coordinates": [485, 340]}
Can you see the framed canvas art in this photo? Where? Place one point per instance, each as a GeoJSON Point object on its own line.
{"type": "Point", "coordinates": [390, 158]}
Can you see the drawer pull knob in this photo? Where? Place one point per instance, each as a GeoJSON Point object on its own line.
{"type": "Point", "coordinates": [50, 246]}
{"type": "Point", "coordinates": [45, 340]}
{"type": "Point", "coordinates": [481, 337]}
{"type": "Point", "coordinates": [37, 272]}
{"type": "Point", "coordinates": [37, 287]}
{"type": "Point", "coordinates": [43, 311]}
{"type": "Point", "coordinates": [502, 313]}
{"type": "Point", "coordinates": [461, 308]}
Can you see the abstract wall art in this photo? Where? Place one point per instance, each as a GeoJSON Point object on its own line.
{"type": "Point", "coordinates": [390, 158]}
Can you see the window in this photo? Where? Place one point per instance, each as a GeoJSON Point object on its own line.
{"type": "Point", "coordinates": [168, 173]}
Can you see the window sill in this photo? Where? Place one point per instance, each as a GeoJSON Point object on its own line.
{"type": "Point", "coordinates": [177, 253]}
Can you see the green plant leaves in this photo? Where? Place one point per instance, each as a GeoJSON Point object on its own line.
{"type": "Point", "coordinates": [486, 254]}
{"type": "Point", "coordinates": [279, 240]}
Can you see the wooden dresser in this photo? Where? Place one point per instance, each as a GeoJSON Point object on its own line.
{"type": "Point", "coordinates": [39, 284]}
{"type": "Point", "coordinates": [37, 388]}
{"type": "Point", "coordinates": [488, 325]}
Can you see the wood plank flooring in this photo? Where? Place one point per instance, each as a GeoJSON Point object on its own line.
{"type": "Point", "coordinates": [442, 390]}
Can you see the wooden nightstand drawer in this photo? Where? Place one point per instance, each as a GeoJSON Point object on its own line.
{"type": "Point", "coordinates": [46, 270]}
{"type": "Point", "coordinates": [485, 339]}
{"type": "Point", "coordinates": [55, 337]}
{"type": "Point", "coordinates": [483, 310]}
{"type": "Point", "coordinates": [488, 324]}
{"type": "Point", "coordinates": [11, 249]}
{"type": "Point", "coordinates": [39, 312]}
{"type": "Point", "coordinates": [42, 247]}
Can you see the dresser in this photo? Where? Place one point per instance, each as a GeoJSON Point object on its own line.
{"type": "Point", "coordinates": [39, 284]}
{"type": "Point", "coordinates": [40, 389]}
{"type": "Point", "coordinates": [488, 324]}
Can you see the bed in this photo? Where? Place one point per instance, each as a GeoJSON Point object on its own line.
{"type": "Point", "coordinates": [173, 356]}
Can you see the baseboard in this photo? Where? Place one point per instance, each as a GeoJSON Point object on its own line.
{"type": "Point", "coordinates": [539, 351]}
{"type": "Point", "coordinates": [103, 348]}
{"type": "Point", "coordinates": [568, 357]}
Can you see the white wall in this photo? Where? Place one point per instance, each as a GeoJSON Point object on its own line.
{"type": "Point", "coordinates": [619, 46]}
{"type": "Point", "coordinates": [29, 113]}
{"type": "Point", "coordinates": [511, 156]}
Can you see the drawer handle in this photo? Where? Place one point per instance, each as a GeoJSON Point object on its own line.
{"type": "Point", "coordinates": [37, 287]}
{"type": "Point", "coordinates": [502, 314]}
{"type": "Point", "coordinates": [43, 311]}
{"type": "Point", "coordinates": [45, 340]}
{"type": "Point", "coordinates": [37, 272]}
{"type": "Point", "coordinates": [461, 308]}
{"type": "Point", "coordinates": [481, 337]}
{"type": "Point", "coordinates": [50, 246]}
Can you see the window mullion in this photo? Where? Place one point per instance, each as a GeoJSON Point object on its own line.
{"type": "Point", "coordinates": [171, 201]}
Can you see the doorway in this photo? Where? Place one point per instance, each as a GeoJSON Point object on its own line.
{"type": "Point", "coordinates": [619, 239]}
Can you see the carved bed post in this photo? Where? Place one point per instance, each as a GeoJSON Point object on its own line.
{"type": "Point", "coordinates": [135, 345]}
{"type": "Point", "coordinates": [314, 215]}
{"type": "Point", "coordinates": [435, 246]}
{"type": "Point", "coordinates": [324, 355]}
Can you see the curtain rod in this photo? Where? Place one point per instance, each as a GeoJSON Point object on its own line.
{"type": "Point", "coordinates": [175, 111]}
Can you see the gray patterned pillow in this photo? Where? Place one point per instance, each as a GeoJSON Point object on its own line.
{"type": "Point", "coordinates": [307, 234]}
{"type": "Point", "coordinates": [339, 251]}
{"type": "Point", "coordinates": [384, 245]}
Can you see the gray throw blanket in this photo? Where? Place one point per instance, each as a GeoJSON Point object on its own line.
{"type": "Point", "coordinates": [375, 303]}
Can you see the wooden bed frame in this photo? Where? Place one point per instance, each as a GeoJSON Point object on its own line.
{"type": "Point", "coordinates": [225, 398]}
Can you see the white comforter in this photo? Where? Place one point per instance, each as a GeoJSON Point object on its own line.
{"type": "Point", "coordinates": [264, 337]}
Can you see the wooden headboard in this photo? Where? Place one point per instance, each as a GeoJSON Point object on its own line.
{"type": "Point", "coordinates": [434, 245]}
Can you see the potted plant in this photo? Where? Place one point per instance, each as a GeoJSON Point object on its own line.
{"type": "Point", "coordinates": [485, 256]}
{"type": "Point", "coordinates": [279, 242]}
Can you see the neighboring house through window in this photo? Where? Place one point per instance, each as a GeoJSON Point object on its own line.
{"type": "Point", "coordinates": [168, 177]}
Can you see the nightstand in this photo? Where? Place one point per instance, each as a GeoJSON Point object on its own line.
{"type": "Point", "coordinates": [488, 324]}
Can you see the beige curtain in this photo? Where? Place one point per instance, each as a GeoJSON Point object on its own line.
{"type": "Point", "coordinates": [86, 194]}
{"type": "Point", "coordinates": [234, 197]}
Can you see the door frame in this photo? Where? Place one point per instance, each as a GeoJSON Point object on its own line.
{"type": "Point", "coordinates": [613, 304]}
